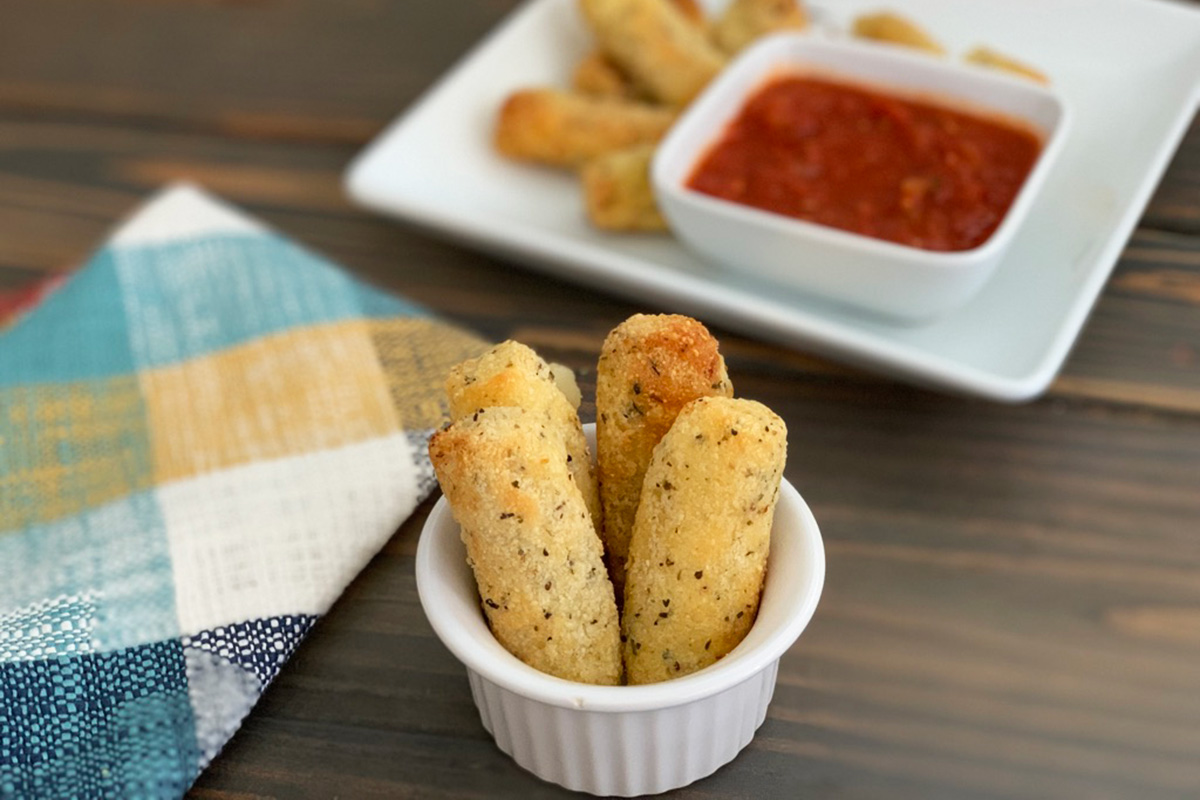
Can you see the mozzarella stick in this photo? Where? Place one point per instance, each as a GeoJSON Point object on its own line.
{"type": "Point", "coordinates": [692, 11]}
{"type": "Point", "coordinates": [564, 129]}
{"type": "Point", "coordinates": [885, 26]}
{"type": "Point", "coordinates": [653, 42]}
{"type": "Point", "coordinates": [511, 374]}
{"type": "Point", "coordinates": [650, 367]}
{"type": "Point", "coordinates": [617, 192]}
{"type": "Point", "coordinates": [699, 550]}
{"type": "Point", "coordinates": [597, 75]}
{"type": "Point", "coordinates": [746, 20]}
{"type": "Point", "coordinates": [987, 57]}
{"type": "Point", "coordinates": [537, 560]}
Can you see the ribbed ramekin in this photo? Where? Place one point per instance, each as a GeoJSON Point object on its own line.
{"type": "Point", "coordinates": [624, 740]}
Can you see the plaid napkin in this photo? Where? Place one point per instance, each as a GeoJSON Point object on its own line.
{"type": "Point", "coordinates": [204, 435]}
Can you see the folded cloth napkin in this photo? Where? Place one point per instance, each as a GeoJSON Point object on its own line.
{"type": "Point", "coordinates": [204, 435]}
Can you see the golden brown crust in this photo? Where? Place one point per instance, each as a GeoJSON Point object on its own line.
{"type": "Point", "coordinates": [617, 192]}
{"type": "Point", "coordinates": [746, 20]}
{"type": "Point", "coordinates": [650, 367]}
{"type": "Point", "coordinates": [511, 374]}
{"type": "Point", "coordinates": [699, 550]}
{"type": "Point", "coordinates": [655, 44]}
{"type": "Point", "coordinates": [987, 57]}
{"type": "Point", "coordinates": [598, 76]}
{"type": "Point", "coordinates": [692, 11]}
{"type": "Point", "coordinates": [536, 558]}
{"type": "Point", "coordinates": [564, 129]}
{"type": "Point", "coordinates": [886, 26]}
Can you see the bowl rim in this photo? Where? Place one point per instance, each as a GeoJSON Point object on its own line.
{"type": "Point", "coordinates": [501, 667]}
{"type": "Point", "coordinates": [788, 49]}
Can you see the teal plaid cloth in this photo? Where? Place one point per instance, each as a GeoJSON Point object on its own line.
{"type": "Point", "coordinates": [204, 435]}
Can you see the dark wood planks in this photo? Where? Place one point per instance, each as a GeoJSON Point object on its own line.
{"type": "Point", "coordinates": [303, 69]}
{"type": "Point", "coordinates": [1175, 206]}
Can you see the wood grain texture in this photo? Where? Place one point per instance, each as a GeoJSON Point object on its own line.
{"type": "Point", "coordinates": [283, 69]}
{"type": "Point", "coordinates": [1012, 607]}
{"type": "Point", "coordinates": [1174, 206]}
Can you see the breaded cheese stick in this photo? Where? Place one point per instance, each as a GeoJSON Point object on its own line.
{"type": "Point", "coordinates": [656, 45]}
{"type": "Point", "coordinates": [511, 374]}
{"type": "Point", "coordinates": [692, 11]}
{"type": "Point", "coordinates": [650, 367]}
{"type": "Point", "coordinates": [987, 57]}
{"type": "Point", "coordinates": [537, 560]}
{"type": "Point", "coordinates": [886, 26]}
{"type": "Point", "coordinates": [746, 20]}
{"type": "Point", "coordinates": [699, 550]}
{"type": "Point", "coordinates": [564, 129]}
{"type": "Point", "coordinates": [617, 193]}
{"type": "Point", "coordinates": [597, 75]}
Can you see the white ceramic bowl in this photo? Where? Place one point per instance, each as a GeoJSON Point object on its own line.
{"type": "Point", "coordinates": [624, 740]}
{"type": "Point", "coordinates": [893, 279]}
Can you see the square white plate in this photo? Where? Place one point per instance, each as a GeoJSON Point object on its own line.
{"type": "Point", "coordinates": [1129, 68]}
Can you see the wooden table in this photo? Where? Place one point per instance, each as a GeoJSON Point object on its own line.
{"type": "Point", "coordinates": [1013, 597]}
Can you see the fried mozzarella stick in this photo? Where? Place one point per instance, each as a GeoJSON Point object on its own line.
{"type": "Point", "coordinates": [987, 57]}
{"type": "Point", "coordinates": [597, 75]}
{"type": "Point", "coordinates": [564, 129]}
{"type": "Point", "coordinates": [617, 192]}
{"type": "Point", "coordinates": [699, 550]}
{"type": "Point", "coordinates": [746, 20]}
{"type": "Point", "coordinates": [511, 374]}
{"type": "Point", "coordinates": [885, 26]}
{"type": "Point", "coordinates": [692, 11]}
{"type": "Point", "coordinates": [655, 44]}
{"type": "Point", "coordinates": [650, 367]}
{"type": "Point", "coordinates": [537, 560]}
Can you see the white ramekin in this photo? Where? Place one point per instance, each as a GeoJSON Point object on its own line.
{"type": "Point", "coordinates": [624, 740]}
{"type": "Point", "coordinates": [895, 280]}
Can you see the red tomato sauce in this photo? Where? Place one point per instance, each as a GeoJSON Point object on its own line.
{"type": "Point", "coordinates": [901, 170]}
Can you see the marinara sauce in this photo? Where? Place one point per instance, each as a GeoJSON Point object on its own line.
{"type": "Point", "coordinates": [841, 155]}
